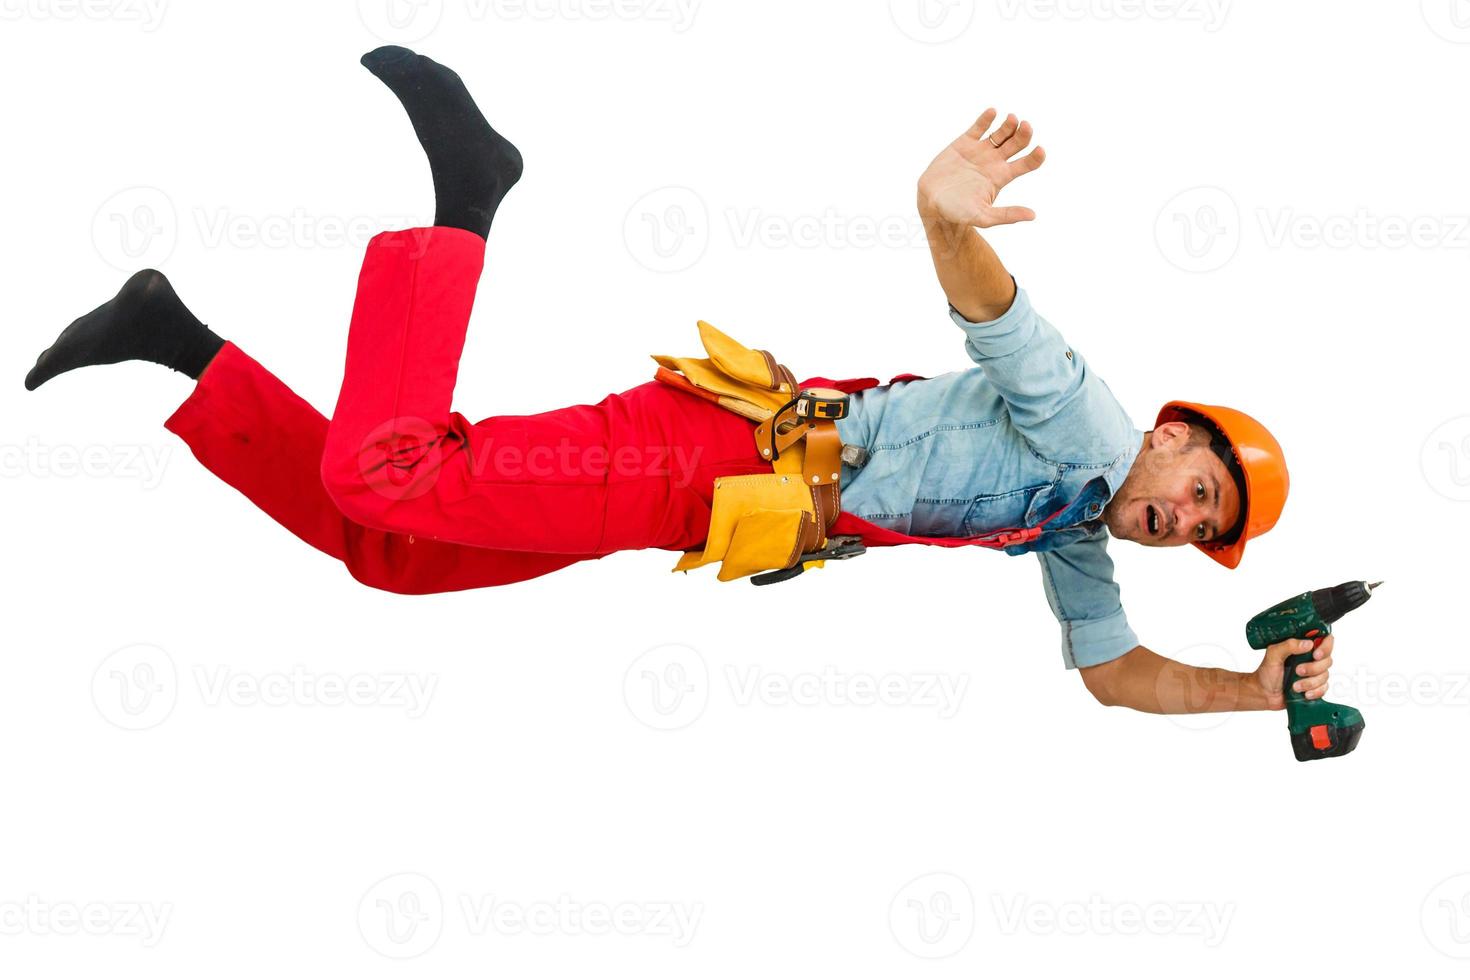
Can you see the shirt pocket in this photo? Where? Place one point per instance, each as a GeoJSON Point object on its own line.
{"type": "Point", "coordinates": [1016, 508]}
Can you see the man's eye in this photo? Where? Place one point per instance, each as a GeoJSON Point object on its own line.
{"type": "Point", "coordinates": [1199, 490]}
{"type": "Point", "coordinates": [1199, 532]}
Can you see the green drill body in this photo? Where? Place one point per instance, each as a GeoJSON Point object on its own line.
{"type": "Point", "coordinates": [1319, 729]}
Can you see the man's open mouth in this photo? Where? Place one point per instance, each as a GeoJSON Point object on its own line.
{"type": "Point", "coordinates": [1153, 519]}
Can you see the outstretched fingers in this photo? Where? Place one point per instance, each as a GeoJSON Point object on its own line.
{"type": "Point", "coordinates": [1019, 140]}
{"type": "Point", "coordinates": [1028, 163]}
{"type": "Point", "coordinates": [1009, 215]}
{"type": "Point", "coordinates": [1004, 132]}
{"type": "Point", "coordinates": [981, 126]}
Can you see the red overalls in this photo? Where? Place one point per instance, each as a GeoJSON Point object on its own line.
{"type": "Point", "coordinates": [413, 497]}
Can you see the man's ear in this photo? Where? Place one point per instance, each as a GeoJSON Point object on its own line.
{"type": "Point", "coordinates": [1169, 434]}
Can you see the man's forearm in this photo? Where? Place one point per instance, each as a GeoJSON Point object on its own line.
{"type": "Point", "coordinates": [1145, 681]}
{"type": "Point", "coordinates": [969, 271]}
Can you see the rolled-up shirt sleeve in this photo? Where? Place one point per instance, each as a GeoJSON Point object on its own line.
{"type": "Point", "coordinates": [1078, 579]}
{"type": "Point", "coordinates": [1054, 400]}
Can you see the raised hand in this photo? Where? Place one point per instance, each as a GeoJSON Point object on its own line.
{"type": "Point", "coordinates": [961, 184]}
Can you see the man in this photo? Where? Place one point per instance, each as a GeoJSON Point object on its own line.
{"type": "Point", "coordinates": [1028, 451]}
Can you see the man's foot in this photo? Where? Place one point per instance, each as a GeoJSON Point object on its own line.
{"type": "Point", "coordinates": [145, 321]}
{"type": "Point", "coordinates": [473, 165]}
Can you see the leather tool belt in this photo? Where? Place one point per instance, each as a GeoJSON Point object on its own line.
{"type": "Point", "coordinates": [775, 522]}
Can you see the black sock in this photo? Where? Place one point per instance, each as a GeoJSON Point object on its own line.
{"type": "Point", "coordinates": [145, 321]}
{"type": "Point", "coordinates": [473, 165]}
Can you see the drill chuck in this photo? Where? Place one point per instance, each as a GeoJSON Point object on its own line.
{"type": "Point", "coordinates": [1334, 603]}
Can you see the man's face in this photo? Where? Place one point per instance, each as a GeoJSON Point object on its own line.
{"type": "Point", "coordinates": [1177, 491]}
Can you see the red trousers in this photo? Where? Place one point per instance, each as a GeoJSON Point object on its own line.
{"type": "Point", "coordinates": [411, 496]}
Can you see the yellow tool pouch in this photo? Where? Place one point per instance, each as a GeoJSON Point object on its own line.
{"type": "Point", "coordinates": [765, 521]}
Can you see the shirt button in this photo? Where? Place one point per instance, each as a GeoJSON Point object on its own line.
{"type": "Point", "coordinates": [1069, 355]}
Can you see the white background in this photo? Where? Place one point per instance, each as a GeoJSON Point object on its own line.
{"type": "Point", "coordinates": [169, 748]}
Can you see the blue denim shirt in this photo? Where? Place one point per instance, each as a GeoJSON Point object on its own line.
{"type": "Point", "coordinates": [1031, 435]}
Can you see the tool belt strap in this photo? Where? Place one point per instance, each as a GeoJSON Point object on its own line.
{"type": "Point", "coordinates": [762, 521]}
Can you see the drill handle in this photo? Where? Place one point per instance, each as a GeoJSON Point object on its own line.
{"type": "Point", "coordinates": [1289, 677]}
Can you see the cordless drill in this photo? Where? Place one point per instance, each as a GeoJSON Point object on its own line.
{"type": "Point", "coordinates": [1319, 729]}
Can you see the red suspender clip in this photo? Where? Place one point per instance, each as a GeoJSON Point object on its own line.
{"type": "Point", "coordinates": [1004, 539]}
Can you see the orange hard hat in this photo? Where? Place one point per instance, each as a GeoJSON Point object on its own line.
{"type": "Point", "coordinates": [1259, 468]}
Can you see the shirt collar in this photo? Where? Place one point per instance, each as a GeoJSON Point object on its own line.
{"type": "Point", "coordinates": [1118, 472]}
